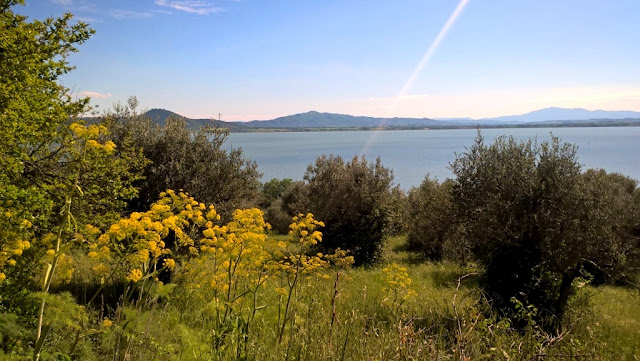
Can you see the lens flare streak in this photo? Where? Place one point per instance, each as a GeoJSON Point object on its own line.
{"type": "Point", "coordinates": [416, 71]}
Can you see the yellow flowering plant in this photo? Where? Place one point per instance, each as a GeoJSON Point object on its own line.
{"type": "Point", "coordinates": [227, 264]}
{"type": "Point", "coordinates": [12, 242]}
{"type": "Point", "coordinates": [84, 153]}
{"type": "Point", "coordinates": [233, 261]}
{"type": "Point", "coordinates": [304, 232]}
{"type": "Point", "coordinates": [133, 247]}
{"type": "Point", "coordinates": [398, 287]}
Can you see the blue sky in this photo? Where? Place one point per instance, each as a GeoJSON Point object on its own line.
{"type": "Point", "coordinates": [259, 59]}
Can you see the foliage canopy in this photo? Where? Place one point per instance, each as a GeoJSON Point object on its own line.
{"type": "Point", "coordinates": [534, 221]}
{"type": "Point", "coordinates": [181, 158]}
{"type": "Point", "coordinates": [352, 198]}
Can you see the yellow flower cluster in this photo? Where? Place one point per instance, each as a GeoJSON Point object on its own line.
{"type": "Point", "coordinates": [340, 259]}
{"type": "Point", "coordinates": [134, 275]}
{"type": "Point", "coordinates": [139, 241]}
{"type": "Point", "coordinates": [239, 252]}
{"type": "Point", "coordinates": [398, 286]}
{"type": "Point", "coordinates": [303, 229]}
{"type": "Point", "coordinates": [90, 134]}
{"type": "Point", "coordinates": [10, 248]}
{"type": "Point", "coordinates": [228, 264]}
{"type": "Point", "coordinates": [64, 269]}
{"type": "Point", "coordinates": [228, 261]}
{"type": "Point", "coordinates": [13, 239]}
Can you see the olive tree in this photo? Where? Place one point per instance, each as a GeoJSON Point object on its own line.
{"type": "Point", "coordinates": [432, 228]}
{"type": "Point", "coordinates": [613, 213]}
{"type": "Point", "coordinates": [273, 192]}
{"type": "Point", "coordinates": [352, 199]}
{"type": "Point", "coordinates": [533, 220]}
{"type": "Point", "coordinates": [182, 158]}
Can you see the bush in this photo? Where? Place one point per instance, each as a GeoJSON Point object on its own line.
{"type": "Point", "coordinates": [535, 221]}
{"type": "Point", "coordinates": [275, 189]}
{"type": "Point", "coordinates": [432, 228]}
{"type": "Point", "coordinates": [182, 158]}
{"type": "Point", "coordinates": [613, 210]}
{"type": "Point", "coordinates": [352, 199]}
{"type": "Point", "coordinates": [399, 212]}
{"type": "Point", "coordinates": [277, 217]}
{"type": "Point", "coordinates": [271, 202]}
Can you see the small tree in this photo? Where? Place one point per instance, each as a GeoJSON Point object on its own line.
{"type": "Point", "coordinates": [182, 158]}
{"type": "Point", "coordinates": [533, 219]}
{"type": "Point", "coordinates": [398, 207]}
{"type": "Point", "coordinates": [272, 193]}
{"type": "Point", "coordinates": [432, 226]}
{"type": "Point", "coordinates": [55, 173]}
{"type": "Point", "coordinates": [275, 189]}
{"type": "Point", "coordinates": [352, 199]}
{"type": "Point", "coordinates": [613, 213]}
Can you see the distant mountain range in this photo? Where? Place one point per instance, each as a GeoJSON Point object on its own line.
{"type": "Point", "coordinates": [160, 116]}
{"type": "Point", "coordinates": [563, 114]}
{"type": "Point", "coordinates": [324, 121]}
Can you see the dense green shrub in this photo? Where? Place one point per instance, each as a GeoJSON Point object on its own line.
{"type": "Point", "coordinates": [296, 199]}
{"type": "Point", "coordinates": [613, 211]}
{"type": "Point", "coordinates": [398, 212]}
{"type": "Point", "coordinates": [352, 199]}
{"type": "Point", "coordinates": [432, 228]}
{"type": "Point", "coordinates": [272, 193]}
{"type": "Point", "coordinates": [277, 217]}
{"type": "Point", "coordinates": [274, 189]}
{"type": "Point", "coordinates": [534, 220]}
{"type": "Point", "coordinates": [182, 158]}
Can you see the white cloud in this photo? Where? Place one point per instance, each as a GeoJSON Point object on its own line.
{"type": "Point", "coordinates": [126, 14]}
{"type": "Point", "coordinates": [199, 7]}
{"type": "Point", "coordinates": [95, 95]}
{"type": "Point", "coordinates": [87, 19]}
{"type": "Point", "coordinates": [63, 2]}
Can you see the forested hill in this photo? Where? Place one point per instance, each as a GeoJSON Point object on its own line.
{"type": "Point", "coordinates": [159, 116]}
{"type": "Point", "coordinates": [313, 120]}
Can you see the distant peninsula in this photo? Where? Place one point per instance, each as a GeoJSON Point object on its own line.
{"type": "Point", "coordinates": [317, 121]}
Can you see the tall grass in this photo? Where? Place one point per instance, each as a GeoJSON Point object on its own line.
{"type": "Point", "coordinates": [448, 320]}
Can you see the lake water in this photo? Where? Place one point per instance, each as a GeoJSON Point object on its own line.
{"type": "Point", "coordinates": [414, 153]}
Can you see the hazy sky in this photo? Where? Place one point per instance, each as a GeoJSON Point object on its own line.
{"type": "Point", "coordinates": [258, 59]}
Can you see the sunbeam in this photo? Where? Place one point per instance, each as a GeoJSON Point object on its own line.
{"type": "Point", "coordinates": [418, 69]}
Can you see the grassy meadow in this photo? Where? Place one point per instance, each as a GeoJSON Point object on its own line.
{"type": "Point", "coordinates": [443, 317]}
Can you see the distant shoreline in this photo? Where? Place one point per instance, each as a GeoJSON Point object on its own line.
{"type": "Point", "coordinates": [598, 124]}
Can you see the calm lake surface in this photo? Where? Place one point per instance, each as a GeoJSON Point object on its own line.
{"type": "Point", "coordinates": [414, 153]}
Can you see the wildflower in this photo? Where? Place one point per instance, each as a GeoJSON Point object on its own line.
{"type": "Point", "coordinates": [91, 229]}
{"type": "Point", "coordinates": [107, 323]}
{"type": "Point", "coordinates": [109, 146]}
{"type": "Point", "coordinates": [78, 129]}
{"type": "Point", "coordinates": [92, 144]}
{"type": "Point", "coordinates": [101, 268]}
{"type": "Point", "coordinates": [169, 263]}
{"type": "Point", "coordinates": [141, 256]}
{"type": "Point", "coordinates": [134, 276]}
{"type": "Point", "coordinates": [93, 130]}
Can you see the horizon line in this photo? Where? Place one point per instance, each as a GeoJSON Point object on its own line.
{"type": "Point", "coordinates": [385, 117]}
